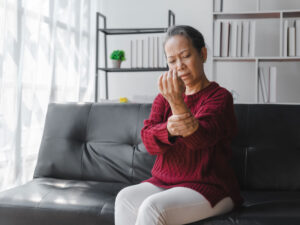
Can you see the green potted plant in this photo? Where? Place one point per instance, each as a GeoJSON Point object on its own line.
{"type": "Point", "coordinates": [117, 57]}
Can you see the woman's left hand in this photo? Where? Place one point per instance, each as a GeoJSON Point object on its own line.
{"type": "Point", "coordinates": [182, 125]}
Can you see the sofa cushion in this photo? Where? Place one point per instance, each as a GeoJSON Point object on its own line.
{"type": "Point", "coordinates": [50, 201]}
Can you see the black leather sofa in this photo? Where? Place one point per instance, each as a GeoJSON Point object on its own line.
{"type": "Point", "coordinates": [91, 151]}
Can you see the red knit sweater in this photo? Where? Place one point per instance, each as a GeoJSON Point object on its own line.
{"type": "Point", "coordinates": [201, 160]}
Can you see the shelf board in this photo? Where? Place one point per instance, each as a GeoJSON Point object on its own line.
{"type": "Point", "coordinates": [253, 59]}
{"type": "Point", "coordinates": [117, 31]}
{"type": "Point", "coordinates": [257, 14]}
{"type": "Point", "coordinates": [247, 15]}
{"type": "Point", "coordinates": [133, 69]}
{"type": "Point", "coordinates": [291, 13]}
{"type": "Point", "coordinates": [249, 59]}
{"type": "Point", "coordinates": [282, 59]}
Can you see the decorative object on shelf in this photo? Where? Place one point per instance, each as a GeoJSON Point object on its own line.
{"type": "Point", "coordinates": [291, 38]}
{"type": "Point", "coordinates": [117, 57]}
{"type": "Point", "coordinates": [235, 95]}
{"type": "Point", "coordinates": [123, 100]}
{"type": "Point", "coordinates": [218, 5]}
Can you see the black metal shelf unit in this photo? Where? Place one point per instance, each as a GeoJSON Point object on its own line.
{"type": "Point", "coordinates": [105, 31]}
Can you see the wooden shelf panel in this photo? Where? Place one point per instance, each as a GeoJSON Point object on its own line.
{"type": "Point", "coordinates": [290, 14]}
{"type": "Point", "coordinates": [257, 14]}
{"type": "Point", "coordinates": [133, 31]}
{"type": "Point", "coordinates": [133, 69]}
{"type": "Point", "coordinates": [253, 59]}
{"type": "Point", "coordinates": [247, 15]}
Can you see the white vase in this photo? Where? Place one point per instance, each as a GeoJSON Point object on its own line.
{"type": "Point", "coordinates": [116, 63]}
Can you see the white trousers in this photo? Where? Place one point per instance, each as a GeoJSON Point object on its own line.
{"type": "Point", "coordinates": [147, 204]}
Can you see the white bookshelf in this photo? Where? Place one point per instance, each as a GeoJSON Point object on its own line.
{"type": "Point", "coordinates": [240, 74]}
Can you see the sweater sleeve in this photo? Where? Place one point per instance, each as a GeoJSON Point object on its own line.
{"type": "Point", "coordinates": [216, 121]}
{"type": "Point", "coordinates": [154, 133]}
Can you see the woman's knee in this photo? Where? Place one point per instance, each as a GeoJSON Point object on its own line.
{"type": "Point", "coordinates": [151, 210]}
{"type": "Point", "coordinates": [124, 195]}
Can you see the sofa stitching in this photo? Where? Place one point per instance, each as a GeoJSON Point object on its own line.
{"type": "Point", "coordinates": [44, 196]}
{"type": "Point", "coordinates": [85, 144]}
{"type": "Point", "coordinates": [135, 142]}
{"type": "Point", "coordinates": [246, 149]}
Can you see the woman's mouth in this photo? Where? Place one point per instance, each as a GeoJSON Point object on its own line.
{"type": "Point", "coordinates": [183, 76]}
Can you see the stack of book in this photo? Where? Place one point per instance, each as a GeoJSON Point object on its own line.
{"type": "Point", "coordinates": [267, 85]}
{"type": "Point", "coordinates": [291, 38]}
{"type": "Point", "coordinates": [147, 53]}
{"type": "Point", "coordinates": [234, 38]}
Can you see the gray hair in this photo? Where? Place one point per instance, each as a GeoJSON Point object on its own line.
{"type": "Point", "coordinates": [189, 32]}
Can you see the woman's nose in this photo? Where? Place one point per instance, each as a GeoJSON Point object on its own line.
{"type": "Point", "coordinates": [179, 64]}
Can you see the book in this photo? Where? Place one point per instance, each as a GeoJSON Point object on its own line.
{"type": "Point", "coordinates": [252, 38]}
{"type": "Point", "coordinates": [145, 53]}
{"type": "Point", "coordinates": [148, 51]}
{"type": "Point", "coordinates": [291, 44]}
{"type": "Point", "coordinates": [245, 39]}
{"type": "Point", "coordinates": [273, 84]}
{"type": "Point", "coordinates": [142, 53]}
{"type": "Point", "coordinates": [225, 38]}
{"type": "Point", "coordinates": [131, 53]}
{"type": "Point", "coordinates": [163, 59]}
{"type": "Point", "coordinates": [218, 5]}
{"type": "Point", "coordinates": [285, 38]}
{"type": "Point", "coordinates": [217, 38]}
{"type": "Point", "coordinates": [261, 98]}
{"type": "Point", "coordinates": [239, 39]}
{"type": "Point", "coordinates": [263, 85]}
{"type": "Point", "coordinates": [153, 52]}
{"type": "Point", "coordinates": [136, 53]}
{"type": "Point", "coordinates": [157, 52]}
{"type": "Point", "coordinates": [297, 37]}
{"type": "Point", "coordinates": [233, 39]}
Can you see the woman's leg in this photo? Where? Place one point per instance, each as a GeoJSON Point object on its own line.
{"type": "Point", "coordinates": [177, 206]}
{"type": "Point", "coordinates": [129, 200]}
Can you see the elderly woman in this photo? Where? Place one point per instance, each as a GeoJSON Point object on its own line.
{"type": "Point", "coordinates": [190, 128]}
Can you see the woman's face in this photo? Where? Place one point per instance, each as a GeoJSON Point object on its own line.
{"type": "Point", "coordinates": [182, 56]}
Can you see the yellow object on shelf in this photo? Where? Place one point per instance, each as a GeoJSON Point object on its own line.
{"type": "Point", "coordinates": [123, 100]}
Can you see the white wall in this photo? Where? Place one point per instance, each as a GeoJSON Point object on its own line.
{"type": "Point", "coordinates": [144, 13]}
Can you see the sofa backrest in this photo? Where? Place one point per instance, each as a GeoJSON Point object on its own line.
{"type": "Point", "coordinates": [102, 142]}
{"type": "Point", "coordinates": [266, 151]}
{"type": "Point", "coordinates": [99, 142]}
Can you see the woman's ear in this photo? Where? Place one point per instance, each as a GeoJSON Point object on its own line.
{"type": "Point", "coordinates": [203, 54]}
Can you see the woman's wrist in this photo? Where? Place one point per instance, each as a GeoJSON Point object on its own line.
{"type": "Point", "coordinates": [179, 108]}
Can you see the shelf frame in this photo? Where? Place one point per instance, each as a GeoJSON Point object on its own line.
{"type": "Point", "coordinates": [122, 31]}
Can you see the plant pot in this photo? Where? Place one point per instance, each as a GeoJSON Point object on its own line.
{"type": "Point", "coordinates": [116, 63]}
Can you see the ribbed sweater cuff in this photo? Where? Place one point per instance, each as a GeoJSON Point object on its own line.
{"type": "Point", "coordinates": [192, 141]}
{"type": "Point", "coordinates": [162, 134]}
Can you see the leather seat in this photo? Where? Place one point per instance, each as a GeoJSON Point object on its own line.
{"type": "Point", "coordinates": [44, 200]}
